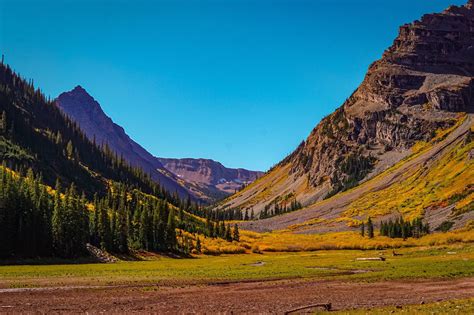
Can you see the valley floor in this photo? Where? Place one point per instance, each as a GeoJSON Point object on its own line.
{"type": "Point", "coordinates": [252, 283]}
{"type": "Point", "coordinates": [239, 297]}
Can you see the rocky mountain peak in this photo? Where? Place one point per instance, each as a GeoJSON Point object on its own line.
{"type": "Point", "coordinates": [79, 89]}
{"type": "Point", "coordinates": [425, 76]}
{"type": "Point", "coordinates": [422, 80]}
{"type": "Point", "coordinates": [78, 102]}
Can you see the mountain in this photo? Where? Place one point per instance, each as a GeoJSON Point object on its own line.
{"type": "Point", "coordinates": [60, 191]}
{"type": "Point", "coordinates": [411, 98]}
{"type": "Point", "coordinates": [204, 180]}
{"type": "Point", "coordinates": [35, 134]}
{"type": "Point", "coordinates": [211, 174]}
{"type": "Point", "coordinates": [79, 106]}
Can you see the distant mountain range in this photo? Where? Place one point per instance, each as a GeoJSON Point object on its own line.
{"type": "Point", "coordinates": [210, 173]}
{"type": "Point", "coordinates": [202, 179]}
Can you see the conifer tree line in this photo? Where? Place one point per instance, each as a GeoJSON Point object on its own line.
{"type": "Point", "coordinates": [57, 145]}
{"type": "Point", "coordinates": [99, 197]}
{"type": "Point", "coordinates": [404, 229]}
{"type": "Point", "coordinates": [221, 230]}
{"type": "Point", "coordinates": [219, 214]}
{"type": "Point", "coordinates": [34, 222]}
{"type": "Point", "coordinates": [278, 209]}
{"type": "Point", "coordinates": [369, 225]}
{"type": "Point", "coordinates": [249, 214]}
{"type": "Point", "coordinates": [37, 222]}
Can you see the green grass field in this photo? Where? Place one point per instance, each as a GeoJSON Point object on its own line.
{"type": "Point", "coordinates": [441, 262]}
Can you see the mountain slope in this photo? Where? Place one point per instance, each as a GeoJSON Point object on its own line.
{"type": "Point", "coordinates": [204, 180]}
{"type": "Point", "coordinates": [35, 134]}
{"type": "Point", "coordinates": [79, 106]}
{"type": "Point", "coordinates": [435, 182]}
{"type": "Point", "coordinates": [417, 88]}
{"type": "Point", "coordinates": [107, 203]}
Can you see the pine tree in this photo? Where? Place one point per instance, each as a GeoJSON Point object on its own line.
{"type": "Point", "coordinates": [58, 218]}
{"type": "Point", "coordinates": [144, 230]}
{"type": "Point", "coordinates": [222, 230]}
{"type": "Point", "coordinates": [370, 228]}
{"type": "Point", "coordinates": [236, 235]}
{"type": "Point", "coordinates": [3, 123]}
{"type": "Point", "coordinates": [69, 150]}
{"type": "Point", "coordinates": [104, 233]}
{"type": "Point", "coordinates": [171, 231]}
{"type": "Point", "coordinates": [362, 229]}
{"type": "Point", "coordinates": [198, 245]}
{"type": "Point", "coordinates": [228, 233]}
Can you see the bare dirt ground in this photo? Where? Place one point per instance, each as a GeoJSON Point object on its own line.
{"type": "Point", "coordinates": [268, 297]}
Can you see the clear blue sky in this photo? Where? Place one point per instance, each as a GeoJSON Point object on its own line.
{"type": "Point", "coordinates": [241, 82]}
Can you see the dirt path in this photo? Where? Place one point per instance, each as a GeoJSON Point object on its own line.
{"type": "Point", "coordinates": [256, 297]}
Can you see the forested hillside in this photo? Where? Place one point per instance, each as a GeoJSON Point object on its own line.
{"type": "Point", "coordinates": [98, 197]}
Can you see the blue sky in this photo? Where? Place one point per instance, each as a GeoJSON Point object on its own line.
{"type": "Point", "coordinates": [239, 81]}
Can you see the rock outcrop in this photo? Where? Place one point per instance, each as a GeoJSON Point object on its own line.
{"type": "Point", "coordinates": [417, 87]}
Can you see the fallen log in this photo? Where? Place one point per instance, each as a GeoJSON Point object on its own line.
{"type": "Point", "coordinates": [371, 259]}
{"type": "Point", "coordinates": [326, 306]}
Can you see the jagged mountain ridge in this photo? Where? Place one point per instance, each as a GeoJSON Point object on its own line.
{"type": "Point", "coordinates": [210, 173]}
{"type": "Point", "coordinates": [418, 85]}
{"type": "Point", "coordinates": [203, 180]}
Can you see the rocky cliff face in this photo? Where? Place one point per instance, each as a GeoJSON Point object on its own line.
{"type": "Point", "coordinates": [427, 72]}
{"type": "Point", "coordinates": [210, 173]}
{"type": "Point", "coordinates": [418, 85]}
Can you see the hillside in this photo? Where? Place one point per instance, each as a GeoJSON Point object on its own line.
{"type": "Point", "coordinates": [408, 97]}
{"type": "Point", "coordinates": [60, 191]}
{"type": "Point", "coordinates": [36, 135]}
{"type": "Point", "coordinates": [204, 180]}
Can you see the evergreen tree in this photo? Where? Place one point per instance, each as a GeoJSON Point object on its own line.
{"type": "Point", "coordinates": [370, 228]}
{"type": "Point", "coordinates": [69, 150]}
{"type": "Point", "coordinates": [228, 233]}
{"type": "Point", "coordinates": [198, 245]}
{"type": "Point", "coordinates": [58, 219]}
{"type": "Point", "coordinates": [3, 123]}
{"type": "Point", "coordinates": [236, 235]}
{"type": "Point", "coordinates": [171, 231]}
{"type": "Point", "coordinates": [362, 229]}
{"type": "Point", "coordinates": [105, 238]}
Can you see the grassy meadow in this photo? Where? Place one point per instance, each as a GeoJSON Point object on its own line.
{"type": "Point", "coordinates": [449, 261]}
